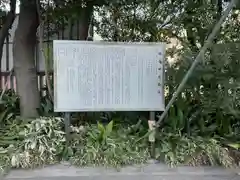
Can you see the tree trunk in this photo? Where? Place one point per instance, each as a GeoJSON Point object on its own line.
{"type": "Point", "coordinates": [24, 59]}
{"type": "Point", "coordinates": [115, 22]}
{"type": "Point", "coordinates": [188, 24]}
{"type": "Point", "coordinates": [7, 24]}
{"type": "Point", "coordinates": [85, 20]}
{"type": "Point", "coordinates": [85, 14]}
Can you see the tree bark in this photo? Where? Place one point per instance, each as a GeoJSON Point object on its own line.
{"type": "Point", "coordinates": [189, 25]}
{"type": "Point", "coordinates": [84, 20]}
{"type": "Point", "coordinates": [7, 24]}
{"type": "Point", "coordinates": [24, 59]}
{"type": "Point", "coordinates": [84, 14]}
{"type": "Point", "coordinates": [115, 22]}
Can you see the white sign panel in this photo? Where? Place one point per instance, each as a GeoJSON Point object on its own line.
{"type": "Point", "coordinates": [103, 76]}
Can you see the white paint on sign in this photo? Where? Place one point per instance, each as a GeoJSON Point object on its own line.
{"type": "Point", "coordinates": [103, 76]}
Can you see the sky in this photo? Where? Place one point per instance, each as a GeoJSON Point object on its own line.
{"type": "Point", "coordinates": [17, 7]}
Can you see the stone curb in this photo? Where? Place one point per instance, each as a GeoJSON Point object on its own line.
{"type": "Point", "coordinates": [150, 170]}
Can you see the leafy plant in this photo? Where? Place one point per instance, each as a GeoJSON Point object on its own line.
{"type": "Point", "coordinates": [46, 106]}
{"type": "Point", "coordinates": [106, 146]}
{"type": "Point", "coordinates": [9, 106]}
{"type": "Point", "coordinates": [32, 143]}
{"type": "Point", "coordinates": [176, 149]}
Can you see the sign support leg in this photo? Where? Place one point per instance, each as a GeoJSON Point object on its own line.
{"type": "Point", "coordinates": [151, 137]}
{"type": "Point", "coordinates": [67, 126]}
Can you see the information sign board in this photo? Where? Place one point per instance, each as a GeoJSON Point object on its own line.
{"type": "Point", "coordinates": [108, 76]}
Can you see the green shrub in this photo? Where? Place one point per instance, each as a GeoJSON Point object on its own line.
{"type": "Point", "coordinates": [108, 146]}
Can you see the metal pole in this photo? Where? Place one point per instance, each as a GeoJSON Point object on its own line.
{"type": "Point", "coordinates": [152, 115]}
{"type": "Point", "coordinates": [67, 126]}
{"type": "Point", "coordinates": [151, 137]}
{"type": "Point", "coordinates": [197, 60]}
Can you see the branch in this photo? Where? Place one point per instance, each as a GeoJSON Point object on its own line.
{"type": "Point", "coordinates": [8, 22]}
{"type": "Point", "coordinates": [167, 22]}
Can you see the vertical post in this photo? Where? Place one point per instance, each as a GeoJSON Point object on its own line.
{"type": "Point", "coordinates": [37, 57]}
{"type": "Point", "coordinates": [151, 137]}
{"type": "Point", "coordinates": [91, 26]}
{"type": "Point", "coordinates": [7, 63]}
{"type": "Point", "coordinates": [67, 126]}
{"type": "Point", "coordinates": [7, 54]}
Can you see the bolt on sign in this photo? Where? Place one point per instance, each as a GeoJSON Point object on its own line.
{"type": "Point", "coordinates": [108, 76]}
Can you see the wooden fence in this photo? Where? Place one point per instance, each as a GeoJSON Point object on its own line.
{"type": "Point", "coordinates": [9, 81]}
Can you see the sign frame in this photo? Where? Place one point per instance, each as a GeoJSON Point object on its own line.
{"type": "Point", "coordinates": [161, 60]}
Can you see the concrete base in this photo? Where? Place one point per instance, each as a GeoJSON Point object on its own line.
{"type": "Point", "coordinates": [151, 171]}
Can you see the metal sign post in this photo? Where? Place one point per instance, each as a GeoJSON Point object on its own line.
{"type": "Point", "coordinates": [151, 137]}
{"type": "Point", "coordinates": [67, 116]}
